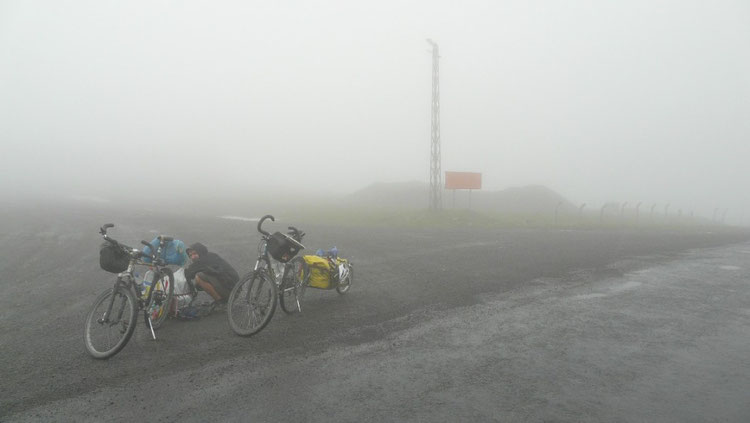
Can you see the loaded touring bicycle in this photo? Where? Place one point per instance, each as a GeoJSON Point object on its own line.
{"type": "Point", "coordinates": [112, 319]}
{"type": "Point", "coordinates": [253, 300]}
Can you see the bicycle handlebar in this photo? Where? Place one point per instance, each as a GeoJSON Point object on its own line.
{"type": "Point", "coordinates": [103, 232]}
{"type": "Point", "coordinates": [260, 223]}
{"type": "Point", "coordinates": [132, 251]}
{"type": "Point", "coordinates": [163, 240]}
{"type": "Point", "coordinates": [103, 229]}
{"type": "Point", "coordinates": [116, 243]}
{"type": "Point", "coordinates": [296, 233]}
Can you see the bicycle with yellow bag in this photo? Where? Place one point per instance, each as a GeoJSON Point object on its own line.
{"type": "Point", "coordinates": [252, 302]}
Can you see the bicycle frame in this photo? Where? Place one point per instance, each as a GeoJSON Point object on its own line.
{"type": "Point", "coordinates": [263, 263]}
{"type": "Point", "coordinates": [126, 280]}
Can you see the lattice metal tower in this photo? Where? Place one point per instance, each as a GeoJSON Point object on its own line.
{"type": "Point", "coordinates": [436, 180]}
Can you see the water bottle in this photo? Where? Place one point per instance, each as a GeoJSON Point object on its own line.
{"type": "Point", "coordinates": [138, 283]}
{"type": "Point", "coordinates": [146, 287]}
{"type": "Point", "coordinates": [334, 252]}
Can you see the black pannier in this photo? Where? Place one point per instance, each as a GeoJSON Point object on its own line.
{"type": "Point", "coordinates": [113, 259]}
{"type": "Point", "coordinates": [280, 248]}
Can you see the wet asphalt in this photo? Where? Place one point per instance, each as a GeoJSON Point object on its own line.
{"type": "Point", "coordinates": [441, 324]}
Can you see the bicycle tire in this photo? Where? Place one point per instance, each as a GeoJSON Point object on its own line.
{"type": "Point", "coordinates": [344, 286]}
{"type": "Point", "coordinates": [293, 286]}
{"type": "Point", "coordinates": [161, 300]}
{"type": "Point", "coordinates": [124, 313]}
{"type": "Point", "coordinates": [251, 303]}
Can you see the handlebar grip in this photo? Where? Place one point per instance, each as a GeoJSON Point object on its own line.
{"type": "Point", "coordinates": [296, 233]}
{"type": "Point", "coordinates": [260, 223]}
{"type": "Point", "coordinates": [103, 228]}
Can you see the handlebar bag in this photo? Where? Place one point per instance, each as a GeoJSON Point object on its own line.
{"type": "Point", "coordinates": [173, 253]}
{"type": "Point", "coordinates": [113, 259]}
{"type": "Point", "coordinates": [280, 248]}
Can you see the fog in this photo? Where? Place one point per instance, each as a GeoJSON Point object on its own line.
{"type": "Point", "coordinates": [628, 101]}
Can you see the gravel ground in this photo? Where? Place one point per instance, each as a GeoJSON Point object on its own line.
{"type": "Point", "coordinates": [441, 324]}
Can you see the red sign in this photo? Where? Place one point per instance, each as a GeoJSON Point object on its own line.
{"type": "Point", "coordinates": [463, 180]}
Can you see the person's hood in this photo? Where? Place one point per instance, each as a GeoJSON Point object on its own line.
{"type": "Point", "coordinates": [200, 248]}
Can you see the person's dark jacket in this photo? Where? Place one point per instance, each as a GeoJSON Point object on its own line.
{"type": "Point", "coordinates": [212, 264]}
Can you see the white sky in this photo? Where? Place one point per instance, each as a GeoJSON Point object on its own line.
{"type": "Point", "coordinates": [599, 100]}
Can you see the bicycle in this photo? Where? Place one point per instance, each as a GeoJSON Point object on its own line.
{"type": "Point", "coordinates": [111, 321]}
{"type": "Point", "coordinates": [252, 301]}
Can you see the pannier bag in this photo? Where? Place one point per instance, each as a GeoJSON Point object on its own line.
{"type": "Point", "coordinates": [183, 293]}
{"type": "Point", "coordinates": [173, 252]}
{"type": "Point", "coordinates": [280, 248]}
{"type": "Point", "coordinates": [113, 259]}
{"type": "Point", "coordinates": [321, 271]}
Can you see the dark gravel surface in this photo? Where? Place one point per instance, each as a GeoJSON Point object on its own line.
{"type": "Point", "coordinates": [404, 278]}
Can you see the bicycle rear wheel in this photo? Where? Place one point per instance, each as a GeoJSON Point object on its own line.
{"type": "Point", "coordinates": [346, 283]}
{"type": "Point", "coordinates": [293, 286]}
{"type": "Point", "coordinates": [105, 334]}
{"type": "Point", "coordinates": [161, 300]}
{"type": "Point", "coordinates": [251, 303]}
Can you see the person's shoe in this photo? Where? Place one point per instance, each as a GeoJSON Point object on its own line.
{"type": "Point", "coordinates": [189, 313]}
{"type": "Point", "coordinates": [219, 306]}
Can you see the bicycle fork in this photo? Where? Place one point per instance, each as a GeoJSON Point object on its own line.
{"type": "Point", "coordinates": [105, 319]}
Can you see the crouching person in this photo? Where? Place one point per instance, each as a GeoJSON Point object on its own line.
{"type": "Point", "coordinates": [211, 272]}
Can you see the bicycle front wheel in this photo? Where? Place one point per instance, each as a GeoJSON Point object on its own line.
{"type": "Point", "coordinates": [107, 330]}
{"type": "Point", "coordinates": [251, 303]}
{"type": "Point", "coordinates": [293, 285]}
{"type": "Point", "coordinates": [161, 300]}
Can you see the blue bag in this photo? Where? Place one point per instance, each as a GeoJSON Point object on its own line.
{"type": "Point", "coordinates": [173, 252]}
{"type": "Point", "coordinates": [333, 252]}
